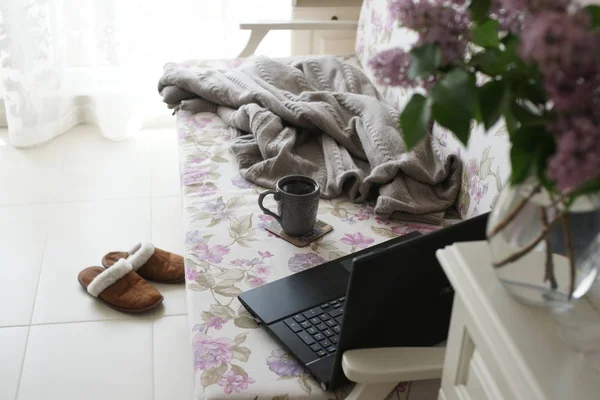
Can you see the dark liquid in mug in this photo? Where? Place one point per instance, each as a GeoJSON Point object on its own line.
{"type": "Point", "coordinates": [298, 187]}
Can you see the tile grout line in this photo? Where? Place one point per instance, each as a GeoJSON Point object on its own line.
{"type": "Point", "coordinates": [46, 203]}
{"type": "Point", "coordinates": [37, 287]}
{"type": "Point", "coordinates": [152, 337]}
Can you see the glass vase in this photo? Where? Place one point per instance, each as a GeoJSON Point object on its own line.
{"type": "Point", "coordinates": [544, 252]}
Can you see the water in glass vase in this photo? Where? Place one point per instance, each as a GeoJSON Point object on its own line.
{"type": "Point", "coordinates": [544, 253]}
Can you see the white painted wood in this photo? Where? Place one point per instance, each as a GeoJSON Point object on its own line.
{"type": "Point", "coordinates": [500, 349]}
{"type": "Point", "coordinates": [377, 391]}
{"type": "Point", "coordinates": [260, 29]}
{"type": "Point", "coordinates": [324, 41]}
{"type": "Point", "coordinates": [301, 25]}
{"type": "Point", "coordinates": [393, 364]}
{"type": "Point", "coordinates": [256, 36]}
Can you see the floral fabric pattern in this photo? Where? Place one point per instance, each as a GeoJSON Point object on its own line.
{"type": "Point", "coordinates": [228, 250]}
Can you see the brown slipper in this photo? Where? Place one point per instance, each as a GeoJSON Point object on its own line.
{"type": "Point", "coordinates": [151, 263]}
{"type": "Point", "coordinates": [120, 287]}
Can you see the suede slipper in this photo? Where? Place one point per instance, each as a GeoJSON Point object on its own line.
{"type": "Point", "coordinates": [151, 263]}
{"type": "Point", "coordinates": [120, 287]}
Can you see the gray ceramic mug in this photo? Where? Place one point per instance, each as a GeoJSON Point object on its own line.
{"type": "Point", "coordinates": [297, 199]}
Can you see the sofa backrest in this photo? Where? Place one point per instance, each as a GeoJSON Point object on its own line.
{"type": "Point", "coordinates": [486, 162]}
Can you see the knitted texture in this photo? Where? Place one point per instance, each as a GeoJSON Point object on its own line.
{"type": "Point", "coordinates": [322, 118]}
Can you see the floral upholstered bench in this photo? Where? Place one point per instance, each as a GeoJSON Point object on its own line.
{"type": "Point", "coordinates": [228, 250]}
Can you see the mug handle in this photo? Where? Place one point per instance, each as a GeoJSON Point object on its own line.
{"type": "Point", "coordinates": [264, 209]}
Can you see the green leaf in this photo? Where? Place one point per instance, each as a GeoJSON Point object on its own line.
{"type": "Point", "coordinates": [479, 9]}
{"type": "Point", "coordinates": [227, 291]}
{"type": "Point", "coordinates": [220, 311]}
{"type": "Point", "coordinates": [339, 212]}
{"type": "Point", "coordinates": [213, 375]}
{"type": "Point", "coordinates": [233, 274]}
{"type": "Point", "coordinates": [521, 163]}
{"type": "Point", "coordinates": [511, 122]}
{"type": "Point", "coordinates": [238, 370]}
{"type": "Point", "coordinates": [207, 316]}
{"type": "Point", "coordinates": [594, 12]}
{"type": "Point", "coordinates": [205, 280]}
{"type": "Point", "coordinates": [241, 353]}
{"type": "Point", "coordinates": [486, 34]}
{"type": "Point", "coordinates": [414, 120]}
{"type": "Point", "coordinates": [531, 148]}
{"type": "Point", "coordinates": [219, 159]}
{"type": "Point", "coordinates": [304, 383]}
{"type": "Point", "coordinates": [385, 232]}
{"type": "Point", "coordinates": [525, 114]}
{"type": "Point", "coordinates": [213, 222]}
{"type": "Point", "coordinates": [493, 98]}
{"type": "Point", "coordinates": [453, 102]}
{"type": "Point", "coordinates": [242, 225]}
{"type": "Point", "coordinates": [245, 322]}
{"type": "Point", "coordinates": [587, 188]}
{"type": "Point", "coordinates": [202, 215]}
{"type": "Point", "coordinates": [425, 60]}
{"type": "Point", "coordinates": [235, 202]}
{"type": "Point", "coordinates": [241, 338]}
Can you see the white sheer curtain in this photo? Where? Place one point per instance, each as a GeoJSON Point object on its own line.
{"type": "Point", "coordinates": [64, 62]}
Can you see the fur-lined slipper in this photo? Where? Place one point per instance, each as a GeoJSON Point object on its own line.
{"type": "Point", "coordinates": [120, 287]}
{"type": "Point", "coordinates": [151, 263]}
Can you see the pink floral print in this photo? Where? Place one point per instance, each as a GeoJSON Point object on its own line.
{"type": "Point", "coordinates": [213, 254]}
{"type": "Point", "coordinates": [211, 353]}
{"type": "Point", "coordinates": [357, 240]}
{"type": "Point", "coordinates": [234, 382]}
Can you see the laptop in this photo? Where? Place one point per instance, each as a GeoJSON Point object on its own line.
{"type": "Point", "coordinates": [392, 294]}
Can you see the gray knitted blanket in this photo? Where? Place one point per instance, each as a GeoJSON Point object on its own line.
{"type": "Point", "coordinates": [322, 118]}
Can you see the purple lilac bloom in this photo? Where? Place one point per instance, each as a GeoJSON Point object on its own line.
{"type": "Point", "coordinates": [302, 261]}
{"type": "Point", "coordinates": [577, 159]}
{"type": "Point", "coordinates": [536, 6]}
{"type": "Point", "coordinates": [391, 68]}
{"type": "Point", "coordinates": [436, 21]}
{"type": "Point", "coordinates": [566, 53]}
{"type": "Point", "coordinates": [233, 382]}
{"type": "Point", "coordinates": [283, 365]}
{"type": "Point", "coordinates": [511, 19]}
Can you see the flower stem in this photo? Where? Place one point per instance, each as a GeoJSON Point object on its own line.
{"type": "Point", "coordinates": [513, 214]}
{"type": "Point", "coordinates": [517, 255]}
{"type": "Point", "coordinates": [549, 271]}
{"type": "Point", "coordinates": [569, 242]}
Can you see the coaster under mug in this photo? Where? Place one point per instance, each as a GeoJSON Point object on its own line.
{"type": "Point", "coordinates": [320, 229]}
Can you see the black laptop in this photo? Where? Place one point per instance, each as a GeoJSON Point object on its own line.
{"type": "Point", "coordinates": [392, 294]}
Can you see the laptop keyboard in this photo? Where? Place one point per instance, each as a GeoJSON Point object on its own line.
{"type": "Point", "coordinates": [319, 327]}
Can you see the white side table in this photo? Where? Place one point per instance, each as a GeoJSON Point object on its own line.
{"type": "Point", "coordinates": [500, 349]}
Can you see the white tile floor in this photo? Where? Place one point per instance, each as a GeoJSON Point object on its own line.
{"type": "Point", "coordinates": [62, 206]}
